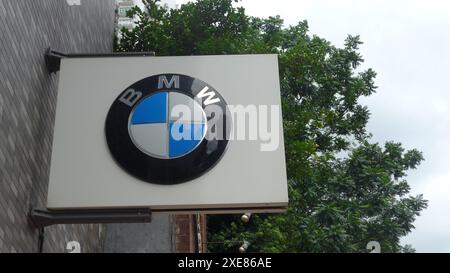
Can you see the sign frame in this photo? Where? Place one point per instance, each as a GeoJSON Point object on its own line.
{"type": "Point", "coordinates": [64, 179]}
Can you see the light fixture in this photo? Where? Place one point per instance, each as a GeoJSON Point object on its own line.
{"type": "Point", "coordinates": [244, 247]}
{"type": "Point", "coordinates": [246, 217]}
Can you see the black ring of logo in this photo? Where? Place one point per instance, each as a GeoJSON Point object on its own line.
{"type": "Point", "coordinates": [157, 170]}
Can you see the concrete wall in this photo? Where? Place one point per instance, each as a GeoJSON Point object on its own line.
{"type": "Point", "coordinates": [27, 106]}
{"type": "Point", "coordinates": [155, 237]}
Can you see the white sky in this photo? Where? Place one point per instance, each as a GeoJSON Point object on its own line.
{"type": "Point", "coordinates": [407, 42]}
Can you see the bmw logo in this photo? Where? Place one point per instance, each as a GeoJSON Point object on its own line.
{"type": "Point", "coordinates": [168, 129]}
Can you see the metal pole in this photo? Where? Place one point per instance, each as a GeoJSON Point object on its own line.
{"type": "Point", "coordinates": [42, 217]}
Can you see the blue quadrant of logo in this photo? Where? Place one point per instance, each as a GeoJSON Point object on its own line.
{"type": "Point", "coordinates": [151, 110]}
{"type": "Point", "coordinates": [184, 137]}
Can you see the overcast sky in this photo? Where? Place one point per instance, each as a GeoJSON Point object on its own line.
{"type": "Point", "coordinates": [407, 43]}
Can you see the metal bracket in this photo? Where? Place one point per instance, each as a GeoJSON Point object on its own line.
{"type": "Point", "coordinates": [53, 57]}
{"type": "Point", "coordinates": [43, 217]}
{"type": "Point", "coordinates": [53, 60]}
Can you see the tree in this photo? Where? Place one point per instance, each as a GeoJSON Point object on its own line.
{"type": "Point", "coordinates": [337, 203]}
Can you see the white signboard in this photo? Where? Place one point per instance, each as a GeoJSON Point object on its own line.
{"type": "Point", "coordinates": [196, 133]}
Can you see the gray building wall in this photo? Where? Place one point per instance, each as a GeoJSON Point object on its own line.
{"type": "Point", "coordinates": [27, 106]}
{"type": "Point", "coordinates": [155, 237]}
